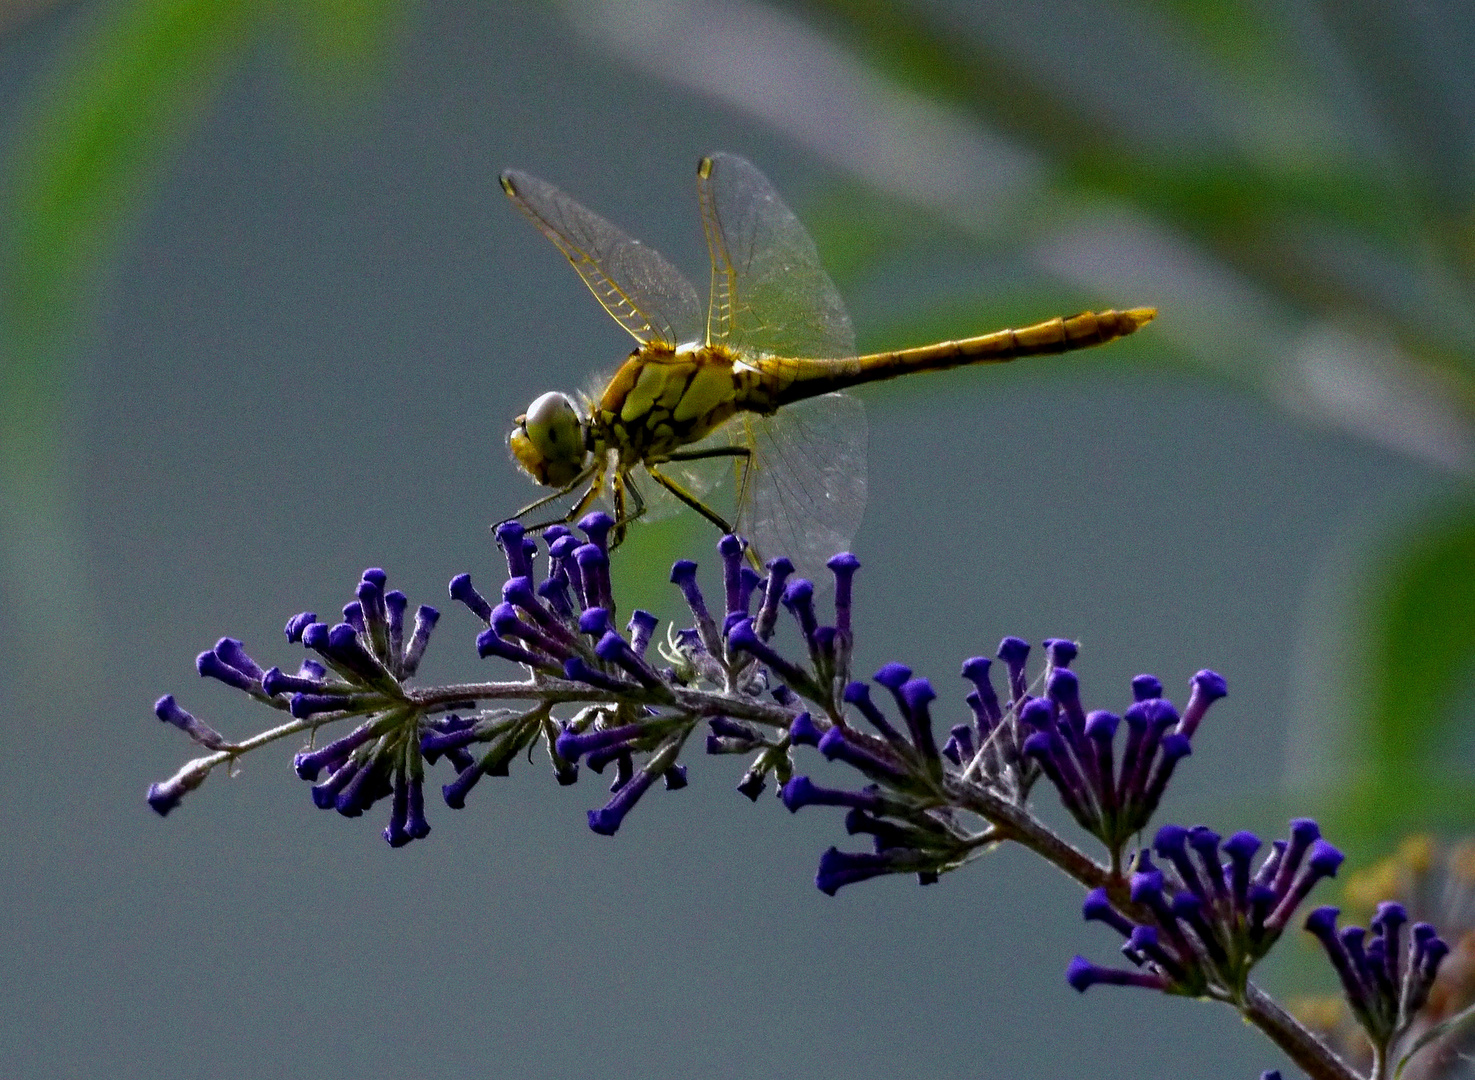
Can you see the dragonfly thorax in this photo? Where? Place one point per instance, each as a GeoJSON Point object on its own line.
{"type": "Point", "coordinates": [663, 399]}
{"type": "Point", "coordinates": [549, 440]}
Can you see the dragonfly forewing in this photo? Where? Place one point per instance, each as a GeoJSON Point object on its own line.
{"type": "Point", "coordinates": [642, 292]}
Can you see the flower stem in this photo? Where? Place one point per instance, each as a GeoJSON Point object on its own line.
{"type": "Point", "coordinates": [1314, 1057]}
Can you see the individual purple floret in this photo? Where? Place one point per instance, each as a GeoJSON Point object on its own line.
{"type": "Point", "coordinates": [168, 710]}
{"type": "Point", "coordinates": [1385, 983]}
{"type": "Point", "coordinates": [1197, 924]}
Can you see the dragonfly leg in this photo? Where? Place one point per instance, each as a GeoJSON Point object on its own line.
{"type": "Point", "coordinates": [585, 500]}
{"type": "Point", "coordinates": [624, 485]}
{"type": "Point", "coordinates": [687, 497]}
{"type": "Point", "coordinates": [743, 452]}
{"type": "Point", "coordinates": [715, 451]}
{"type": "Point", "coordinates": [546, 499]}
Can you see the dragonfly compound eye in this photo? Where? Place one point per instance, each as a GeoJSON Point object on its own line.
{"type": "Point", "coordinates": [549, 440]}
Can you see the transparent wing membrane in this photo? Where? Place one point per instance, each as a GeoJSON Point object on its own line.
{"type": "Point", "coordinates": [770, 296]}
{"type": "Point", "coordinates": [641, 290]}
{"type": "Point", "coordinates": [805, 489]}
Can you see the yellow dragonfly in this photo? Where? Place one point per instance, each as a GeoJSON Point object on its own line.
{"type": "Point", "coordinates": [755, 379]}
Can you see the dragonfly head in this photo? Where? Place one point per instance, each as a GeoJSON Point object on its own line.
{"type": "Point", "coordinates": [548, 440]}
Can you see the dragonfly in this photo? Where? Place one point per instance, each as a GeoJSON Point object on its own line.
{"type": "Point", "coordinates": [754, 381]}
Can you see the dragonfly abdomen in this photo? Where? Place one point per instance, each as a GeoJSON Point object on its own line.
{"type": "Point", "coordinates": [1057, 335]}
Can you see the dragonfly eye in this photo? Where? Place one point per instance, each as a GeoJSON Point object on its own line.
{"type": "Point", "coordinates": [549, 440]}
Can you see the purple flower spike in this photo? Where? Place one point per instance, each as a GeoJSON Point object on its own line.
{"type": "Point", "coordinates": [840, 868]}
{"type": "Point", "coordinates": [1388, 921]}
{"type": "Point", "coordinates": [614, 649]}
{"type": "Point", "coordinates": [395, 605]}
{"type": "Point", "coordinates": [800, 791]}
{"type": "Point", "coordinates": [163, 798]}
{"type": "Point", "coordinates": [345, 649]}
{"type": "Point", "coordinates": [508, 624]}
{"type": "Point", "coordinates": [1064, 688]}
{"type": "Point", "coordinates": [1061, 651]}
{"type": "Point", "coordinates": [1146, 687]}
{"type": "Point", "coordinates": [1014, 652]}
{"type": "Point", "coordinates": [803, 732]}
{"type": "Point", "coordinates": [1241, 848]}
{"type": "Point", "coordinates": [456, 791]}
{"type": "Point", "coordinates": [213, 667]}
{"type": "Point", "coordinates": [731, 548]}
{"type": "Point", "coordinates": [960, 736]}
{"type": "Point", "coordinates": [1304, 832]}
{"type": "Point", "coordinates": [1082, 975]}
{"type": "Point", "coordinates": [596, 527]}
{"type": "Point", "coordinates": [555, 591]}
{"type": "Point", "coordinates": [594, 621]}
{"type": "Point", "coordinates": [742, 638]}
{"type": "Point", "coordinates": [799, 599]}
{"type": "Point", "coordinates": [395, 832]}
{"type": "Point", "coordinates": [490, 643]}
{"type": "Point", "coordinates": [168, 710]}
{"type": "Point", "coordinates": [916, 695]}
{"type": "Point", "coordinates": [1171, 843]}
{"type": "Point", "coordinates": [415, 822]}
{"type": "Point", "coordinates": [298, 623]}
{"type": "Point", "coordinates": [1348, 962]}
{"type": "Point", "coordinates": [641, 626]}
{"type": "Point", "coordinates": [234, 653]}
{"type": "Point", "coordinates": [1098, 908]}
{"type": "Point", "coordinates": [748, 582]}
{"type": "Point", "coordinates": [684, 577]}
{"type": "Point", "coordinates": [1100, 730]}
{"type": "Point", "coordinates": [836, 747]}
{"type": "Point", "coordinates": [561, 552]}
{"type": "Point", "coordinates": [1205, 842]}
{"type": "Point", "coordinates": [859, 695]}
{"type": "Point", "coordinates": [843, 566]}
{"type": "Point", "coordinates": [576, 670]}
{"type": "Point", "coordinates": [1038, 715]}
{"type": "Point", "coordinates": [773, 591]}
{"type": "Point", "coordinates": [376, 615]}
{"type": "Point", "coordinates": [1207, 687]}
{"type": "Point", "coordinates": [302, 706]}
{"type": "Point", "coordinates": [607, 820]}
{"type": "Point", "coordinates": [593, 563]}
{"type": "Point", "coordinates": [509, 538]}
{"type": "Point", "coordinates": [276, 681]}
{"type": "Point", "coordinates": [462, 590]}
{"type": "Point", "coordinates": [520, 593]}
{"type": "Point", "coordinates": [1174, 749]}
{"type": "Point", "coordinates": [425, 619]}
{"type": "Point", "coordinates": [1322, 861]}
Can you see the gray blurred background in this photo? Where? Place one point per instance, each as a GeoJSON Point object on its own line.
{"type": "Point", "coordinates": [267, 316]}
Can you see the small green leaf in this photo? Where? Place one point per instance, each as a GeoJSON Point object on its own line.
{"type": "Point", "coordinates": [1448, 1026]}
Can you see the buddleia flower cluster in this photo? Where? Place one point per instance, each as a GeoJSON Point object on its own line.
{"type": "Point", "coordinates": [1428, 884]}
{"type": "Point", "coordinates": [1196, 912]}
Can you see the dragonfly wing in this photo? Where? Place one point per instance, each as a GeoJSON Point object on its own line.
{"type": "Point", "coordinates": [770, 296]}
{"type": "Point", "coordinates": [805, 490]}
{"type": "Point", "coordinates": [641, 290]}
